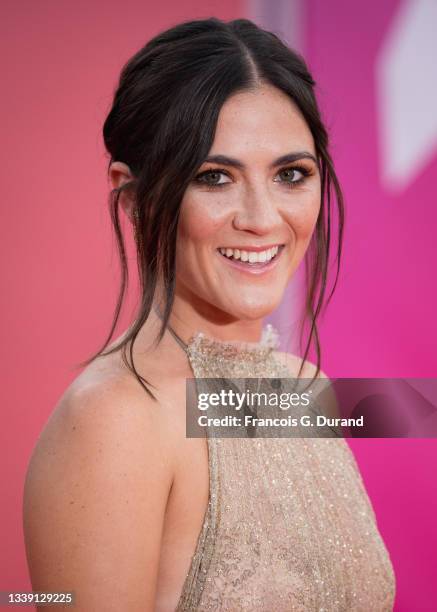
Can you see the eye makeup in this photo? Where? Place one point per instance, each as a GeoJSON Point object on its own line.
{"type": "Point", "coordinates": [200, 179]}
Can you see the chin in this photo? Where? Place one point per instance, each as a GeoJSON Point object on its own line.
{"type": "Point", "coordinates": [252, 312]}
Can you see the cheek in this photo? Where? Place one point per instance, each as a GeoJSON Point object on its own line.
{"type": "Point", "coordinates": [200, 219]}
{"type": "Point", "coordinates": [303, 216]}
{"type": "Point", "coordinates": [307, 223]}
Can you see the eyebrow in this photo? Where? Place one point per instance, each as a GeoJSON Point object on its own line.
{"type": "Point", "coordinates": [284, 159]}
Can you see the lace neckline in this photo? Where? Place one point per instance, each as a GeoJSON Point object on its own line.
{"type": "Point", "coordinates": [202, 344]}
{"type": "Point", "coordinates": [269, 339]}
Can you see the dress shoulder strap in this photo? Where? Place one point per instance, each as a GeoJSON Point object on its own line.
{"type": "Point", "coordinates": [178, 339]}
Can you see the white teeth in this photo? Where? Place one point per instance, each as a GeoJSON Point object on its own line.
{"type": "Point", "coordinates": [250, 256]}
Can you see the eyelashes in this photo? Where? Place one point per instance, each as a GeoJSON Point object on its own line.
{"type": "Point", "coordinates": [305, 172]}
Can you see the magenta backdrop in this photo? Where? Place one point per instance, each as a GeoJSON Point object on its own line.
{"type": "Point", "coordinates": [382, 319]}
{"type": "Point", "coordinates": [60, 63]}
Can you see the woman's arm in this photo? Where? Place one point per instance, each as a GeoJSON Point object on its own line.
{"type": "Point", "coordinates": [95, 497]}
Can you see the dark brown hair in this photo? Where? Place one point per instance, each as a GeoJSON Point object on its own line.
{"type": "Point", "coordinates": [162, 125]}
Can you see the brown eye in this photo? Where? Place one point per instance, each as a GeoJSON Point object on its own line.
{"type": "Point", "coordinates": [293, 176]}
{"type": "Point", "coordinates": [211, 178]}
{"type": "Point", "coordinates": [291, 173]}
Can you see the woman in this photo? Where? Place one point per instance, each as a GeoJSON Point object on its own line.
{"type": "Point", "coordinates": [220, 160]}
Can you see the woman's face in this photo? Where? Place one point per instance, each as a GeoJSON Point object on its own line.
{"type": "Point", "coordinates": [247, 219]}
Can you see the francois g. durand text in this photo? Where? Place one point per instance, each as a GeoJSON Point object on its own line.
{"type": "Point", "coordinates": [288, 421]}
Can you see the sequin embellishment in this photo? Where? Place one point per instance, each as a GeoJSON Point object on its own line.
{"type": "Point", "coordinates": [289, 525]}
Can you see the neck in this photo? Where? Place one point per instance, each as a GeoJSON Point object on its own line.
{"type": "Point", "coordinates": [188, 317]}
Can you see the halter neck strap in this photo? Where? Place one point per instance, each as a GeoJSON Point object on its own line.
{"type": "Point", "coordinates": [178, 339]}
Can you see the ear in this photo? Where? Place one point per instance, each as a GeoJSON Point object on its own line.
{"type": "Point", "coordinates": [119, 174]}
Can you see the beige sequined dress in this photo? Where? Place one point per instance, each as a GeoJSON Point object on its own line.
{"type": "Point", "coordinates": [289, 526]}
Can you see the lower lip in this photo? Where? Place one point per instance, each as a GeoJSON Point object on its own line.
{"type": "Point", "coordinates": [257, 268]}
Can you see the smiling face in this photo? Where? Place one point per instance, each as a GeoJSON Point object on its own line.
{"type": "Point", "coordinates": [248, 217]}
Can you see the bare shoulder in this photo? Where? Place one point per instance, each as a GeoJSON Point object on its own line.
{"type": "Point", "coordinates": [95, 493]}
{"type": "Point", "coordinates": [106, 407]}
{"type": "Point", "coordinates": [293, 363]}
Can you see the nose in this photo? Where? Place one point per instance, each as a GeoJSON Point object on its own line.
{"type": "Point", "coordinates": [257, 212]}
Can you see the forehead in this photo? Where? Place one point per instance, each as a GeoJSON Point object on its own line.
{"type": "Point", "coordinates": [264, 120]}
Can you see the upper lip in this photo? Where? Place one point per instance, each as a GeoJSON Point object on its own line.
{"type": "Point", "coordinates": [256, 249]}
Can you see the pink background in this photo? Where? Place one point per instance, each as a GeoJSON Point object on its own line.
{"type": "Point", "coordinates": [60, 65]}
{"type": "Point", "coordinates": [382, 320]}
